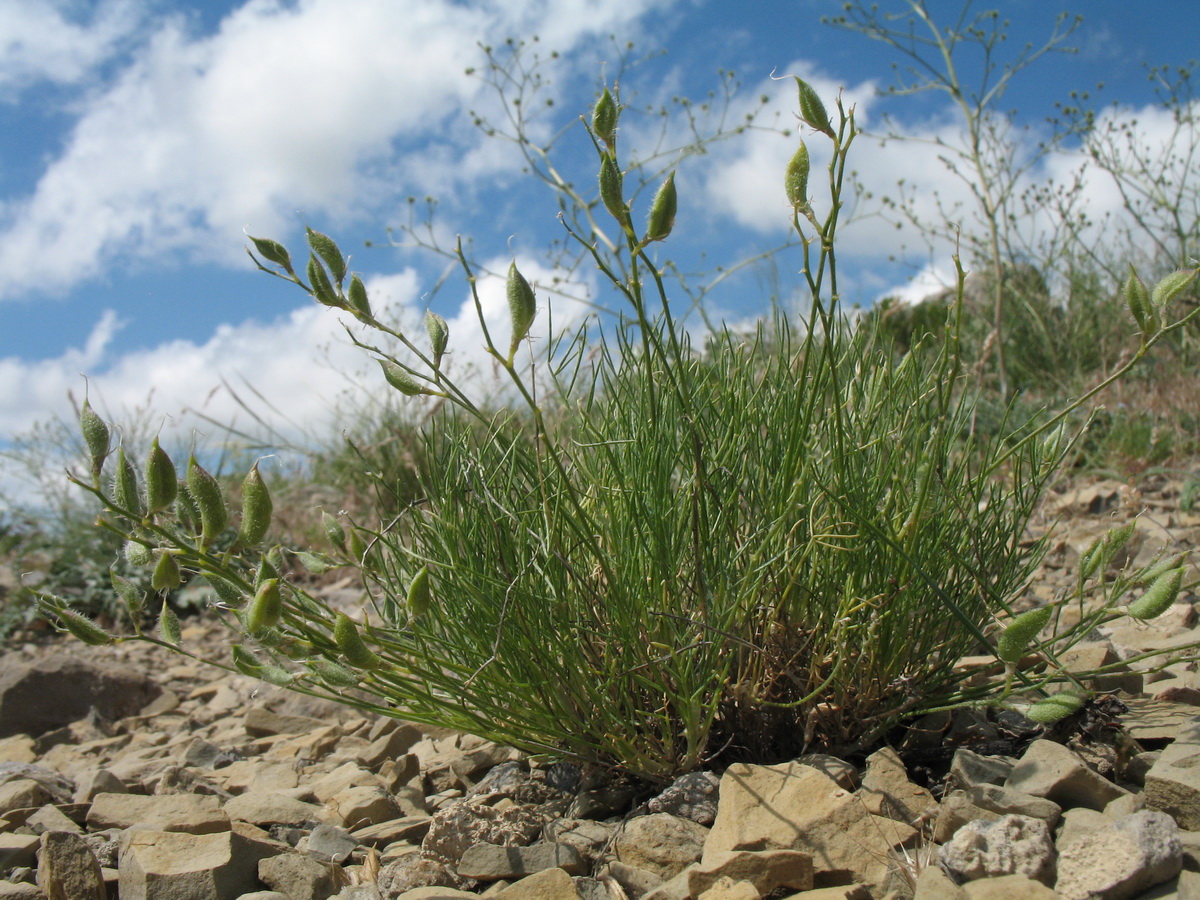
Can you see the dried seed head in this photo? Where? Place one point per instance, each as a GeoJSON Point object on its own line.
{"type": "Point", "coordinates": [257, 509]}
{"type": "Point", "coordinates": [1159, 597]}
{"type": "Point", "coordinates": [612, 189]}
{"type": "Point", "coordinates": [357, 295]}
{"type": "Point", "coordinates": [125, 486]}
{"type": "Point", "coordinates": [420, 596]}
{"type": "Point", "coordinates": [795, 180]}
{"type": "Point", "coordinates": [207, 494]}
{"type": "Point", "coordinates": [162, 483]}
{"type": "Point", "coordinates": [1020, 633]}
{"type": "Point", "coordinates": [604, 119]}
{"type": "Point", "coordinates": [662, 211]}
{"type": "Point", "coordinates": [439, 335]}
{"type": "Point", "coordinates": [400, 380]}
{"type": "Point", "coordinates": [95, 436]}
{"type": "Point", "coordinates": [1137, 298]}
{"type": "Point", "coordinates": [350, 643]}
{"type": "Point", "coordinates": [166, 575]}
{"type": "Point", "coordinates": [325, 248]}
{"type": "Point", "coordinates": [812, 110]}
{"type": "Point", "coordinates": [266, 608]}
{"type": "Point", "coordinates": [522, 307]}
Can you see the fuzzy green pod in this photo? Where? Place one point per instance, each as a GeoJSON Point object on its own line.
{"type": "Point", "coordinates": [272, 251]}
{"type": "Point", "coordinates": [134, 599]}
{"type": "Point", "coordinates": [166, 575]}
{"type": "Point", "coordinates": [604, 119]}
{"type": "Point", "coordinates": [522, 307]}
{"type": "Point", "coordinates": [266, 608]}
{"type": "Point", "coordinates": [322, 288]}
{"type": "Point", "coordinates": [399, 379]}
{"type": "Point", "coordinates": [314, 563]}
{"type": "Point", "coordinates": [84, 628]}
{"type": "Point", "coordinates": [1159, 597]}
{"type": "Point", "coordinates": [357, 296]}
{"type": "Point", "coordinates": [296, 648]}
{"type": "Point", "coordinates": [1137, 298]}
{"type": "Point", "coordinates": [168, 624]}
{"type": "Point", "coordinates": [612, 189]}
{"type": "Point", "coordinates": [245, 662]}
{"type": "Point", "coordinates": [162, 481]}
{"type": "Point", "coordinates": [439, 335]}
{"type": "Point", "coordinates": [226, 592]}
{"type": "Point", "coordinates": [325, 248]}
{"type": "Point", "coordinates": [257, 509]}
{"type": "Point", "coordinates": [209, 501]}
{"type": "Point", "coordinates": [795, 180]}
{"type": "Point", "coordinates": [334, 675]}
{"type": "Point", "coordinates": [1020, 633]}
{"type": "Point", "coordinates": [1163, 565]}
{"type": "Point", "coordinates": [420, 596]}
{"type": "Point", "coordinates": [350, 643]}
{"type": "Point", "coordinates": [268, 568]}
{"type": "Point", "coordinates": [125, 486]}
{"type": "Point", "coordinates": [812, 110]}
{"type": "Point", "coordinates": [186, 509]}
{"type": "Point", "coordinates": [137, 553]}
{"type": "Point", "coordinates": [662, 211]}
{"type": "Point", "coordinates": [334, 531]}
{"type": "Point", "coordinates": [95, 436]}
{"type": "Point", "coordinates": [1054, 708]}
{"type": "Point", "coordinates": [1170, 286]}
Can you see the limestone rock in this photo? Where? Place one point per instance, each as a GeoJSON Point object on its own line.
{"type": "Point", "coordinates": [261, 722]}
{"type": "Point", "coordinates": [162, 864]}
{"type": "Point", "coordinates": [660, 843]}
{"type": "Point", "coordinates": [1010, 845]}
{"type": "Point", "coordinates": [190, 813]}
{"type": "Point", "coordinates": [416, 871]}
{"type": "Point", "coordinates": [990, 802]}
{"type": "Point", "coordinates": [550, 884]}
{"type": "Point", "coordinates": [1173, 782]}
{"type": "Point", "coordinates": [766, 870]}
{"type": "Point", "coordinates": [491, 862]}
{"type": "Point", "coordinates": [361, 805]}
{"type": "Point", "coordinates": [1120, 861]}
{"type": "Point", "coordinates": [1052, 771]}
{"type": "Point", "coordinates": [40, 696]}
{"type": "Point", "coordinates": [691, 796]}
{"type": "Point", "coordinates": [634, 881]}
{"type": "Point", "coordinates": [968, 769]}
{"type": "Point", "coordinates": [1007, 887]}
{"type": "Point", "coordinates": [17, 850]}
{"type": "Point", "coordinates": [887, 791]}
{"type": "Point", "coordinates": [67, 868]}
{"type": "Point", "coordinates": [265, 809]}
{"type": "Point", "coordinates": [22, 793]}
{"type": "Point", "coordinates": [300, 877]}
{"type": "Point", "coordinates": [727, 889]}
{"type": "Point", "coordinates": [797, 807]}
{"type": "Point", "coordinates": [469, 822]}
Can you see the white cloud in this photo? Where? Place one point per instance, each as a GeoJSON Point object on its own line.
{"type": "Point", "coordinates": [280, 109]}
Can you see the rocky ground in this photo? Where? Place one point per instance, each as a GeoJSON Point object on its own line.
{"type": "Point", "coordinates": [130, 772]}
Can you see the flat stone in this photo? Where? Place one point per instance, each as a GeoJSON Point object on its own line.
{"type": "Point", "coordinates": [457, 828]}
{"type": "Point", "coordinates": [1050, 770]}
{"type": "Point", "coordinates": [491, 862]}
{"type": "Point", "coordinates": [1157, 720]}
{"type": "Point", "coordinates": [344, 776]}
{"type": "Point", "coordinates": [157, 865]}
{"type": "Point", "coordinates": [726, 888]}
{"type": "Point", "coordinates": [264, 808]}
{"type": "Point", "coordinates": [550, 884]}
{"type": "Point", "coordinates": [1173, 782]}
{"type": "Point", "coordinates": [990, 802]}
{"type": "Point", "coordinates": [23, 793]}
{"type": "Point", "coordinates": [887, 791]}
{"type": "Point", "coordinates": [51, 818]}
{"type": "Point", "coordinates": [634, 881]}
{"type": "Point", "coordinates": [22, 891]}
{"type": "Point", "coordinates": [660, 843]}
{"type": "Point", "coordinates": [389, 746]}
{"type": "Point", "coordinates": [766, 870]}
{"type": "Point", "coordinates": [190, 813]}
{"type": "Point", "coordinates": [405, 828]}
{"type": "Point", "coordinates": [17, 849]}
{"type": "Point", "coordinates": [692, 796]}
{"type": "Point", "coordinates": [38, 697]}
{"type": "Point", "coordinates": [1121, 860]}
{"type": "Point", "coordinates": [260, 722]}
{"type": "Point", "coordinates": [98, 781]}
{"type": "Point", "coordinates": [68, 869]}
{"type": "Point", "coordinates": [258, 774]}
{"type": "Point", "coordinates": [301, 877]}
{"type": "Point", "coordinates": [328, 843]}
{"type": "Point", "coordinates": [361, 805]}
{"type": "Point", "coordinates": [1007, 887]}
{"type": "Point", "coordinates": [968, 769]}
{"type": "Point", "coordinates": [1010, 845]}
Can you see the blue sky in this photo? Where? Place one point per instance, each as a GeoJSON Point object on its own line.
{"type": "Point", "coordinates": [138, 138]}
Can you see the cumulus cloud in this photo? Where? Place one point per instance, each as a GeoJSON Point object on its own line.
{"type": "Point", "coordinates": [282, 108]}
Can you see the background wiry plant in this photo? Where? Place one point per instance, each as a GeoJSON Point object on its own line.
{"type": "Point", "coordinates": [669, 549]}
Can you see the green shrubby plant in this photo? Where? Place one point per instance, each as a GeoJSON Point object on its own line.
{"type": "Point", "coordinates": [668, 550]}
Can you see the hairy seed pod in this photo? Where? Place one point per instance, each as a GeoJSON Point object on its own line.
{"type": "Point", "coordinates": [134, 599]}
{"type": "Point", "coordinates": [1170, 286]}
{"type": "Point", "coordinates": [1137, 298]}
{"type": "Point", "coordinates": [245, 662]}
{"type": "Point", "coordinates": [168, 624]}
{"type": "Point", "coordinates": [272, 251]}
{"type": "Point", "coordinates": [266, 608]}
{"type": "Point", "coordinates": [612, 189]}
{"type": "Point", "coordinates": [439, 335]}
{"type": "Point", "coordinates": [166, 576]}
{"type": "Point", "coordinates": [662, 211]}
{"type": "Point", "coordinates": [1159, 597]}
{"type": "Point", "coordinates": [795, 181]}
{"type": "Point", "coordinates": [812, 110]}
{"type": "Point", "coordinates": [186, 509]}
{"type": "Point", "coordinates": [322, 287]}
{"type": "Point", "coordinates": [604, 119]}
{"type": "Point", "coordinates": [137, 553]}
{"type": "Point", "coordinates": [522, 307]}
{"type": "Point", "coordinates": [1020, 633]}
{"type": "Point", "coordinates": [399, 379]}
{"type": "Point", "coordinates": [207, 494]}
{"type": "Point", "coordinates": [334, 531]}
{"type": "Point", "coordinates": [314, 563]}
{"type": "Point", "coordinates": [325, 248]}
{"type": "Point", "coordinates": [276, 675]}
{"type": "Point", "coordinates": [296, 648]}
{"type": "Point", "coordinates": [268, 568]}
{"type": "Point", "coordinates": [84, 628]}
{"type": "Point", "coordinates": [350, 642]}
{"type": "Point", "coordinates": [257, 509]}
{"type": "Point", "coordinates": [420, 596]}
{"type": "Point", "coordinates": [333, 674]}
{"type": "Point", "coordinates": [1054, 708]}
{"type": "Point", "coordinates": [226, 592]}
{"type": "Point", "coordinates": [357, 296]}
{"type": "Point", "coordinates": [125, 486]}
{"type": "Point", "coordinates": [1163, 565]}
{"type": "Point", "coordinates": [162, 484]}
{"type": "Point", "coordinates": [95, 436]}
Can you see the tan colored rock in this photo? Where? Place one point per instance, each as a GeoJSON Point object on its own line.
{"type": "Point", "coordinates": [990, 802]}
{"type": "Point", "coordinates": [23, 793]}
{"type": "Point", "coordinates": [98, 781]}
{"type": "Point", "coordinates": [887, 791]}
{"type": "Point", "coordinates": [1173, 782]}
{"type": "Point", "coordinates": [344, 776]}
{"type": "Point", "coordinates": [935, 884]}
{"type": "Point", "coordinates": [837, 892]}
{"type": "Point", "coordinates": [17, 849]}
{"type": "Point", "coordinates": [660, 843]}
{"type": "Point", "coordinates": [797, 807]}
{"type": "Point", "coordinates": [1132, 854]}
{"type": "Point", "coordinates": [1050, 770]}
{"type": "Point", "coordinates": [300, 877]}
{"type": "Point", "coordinates": [260, 722]}
{"type": "Point", "coordinates": [257, 774]}
{"type": "Point", "coordinates": [1011, 845]}
{"type": "Point", "coordinates": [436, 893]}
{"type": "Point", "coordinates": [728, 889]}
{"type": "Point", "coordinates": [766, 870]}
{"type": "Point", "coordinates": [550, 884]}
{"type": "Point", "coordinates": [266, 808]}
{"type": "Point", "coordinates": [190, 813]}
{"type": "Point", "coordinates": [161, 864]}
{"type": "Point", "coordinates": [68, 869]}
{"type": "Point", "coordinates": [361, 805]}
{"type": "Point", "coordinates": [1007, 887]}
